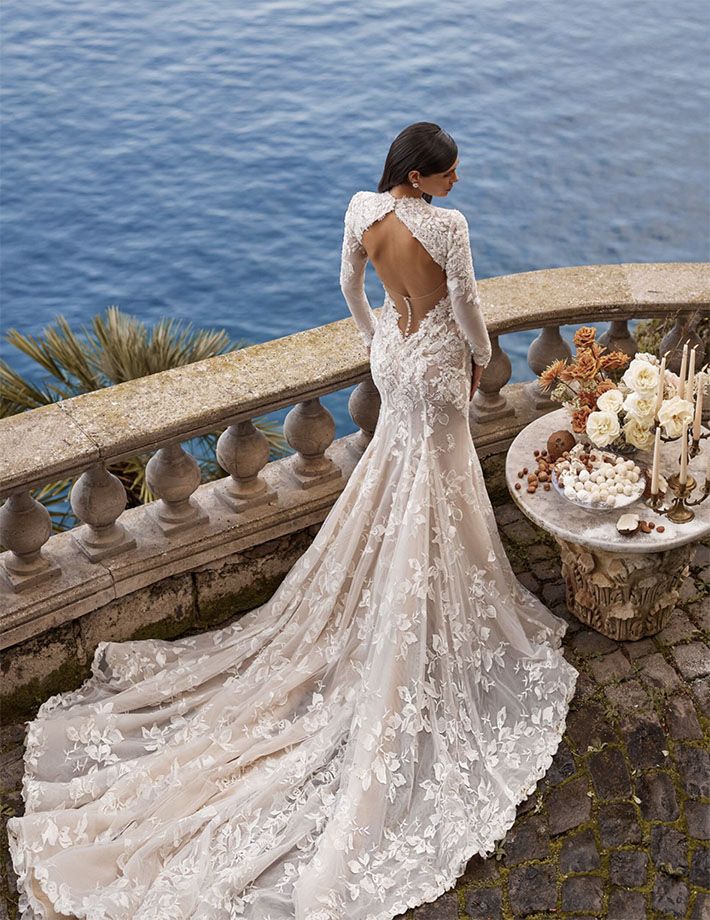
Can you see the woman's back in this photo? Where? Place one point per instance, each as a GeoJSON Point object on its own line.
{"type": "Point", "coordinates": [404, 267]}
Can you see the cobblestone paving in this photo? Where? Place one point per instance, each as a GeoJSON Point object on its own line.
{"type": "Point", "coordinates": [619, 826]}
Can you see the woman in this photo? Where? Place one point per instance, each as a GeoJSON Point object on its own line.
{"type": "Point", "coordinates": [344, 749]}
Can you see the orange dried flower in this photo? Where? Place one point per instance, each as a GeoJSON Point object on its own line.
{"type": "Point", "coordinates": [551, 373]}
{"type": "Point", "coordinates": [614, 359]}
{"type": "Point", "coordinates": [604, 385]}
{"type": "Point", "coordinates": [579, 419]}
{"type": "Point", "coordinates": [587, 365]}
{"type": "Point", "coordinates": [584, 336]}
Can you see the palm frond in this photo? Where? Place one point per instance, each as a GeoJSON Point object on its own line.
{"type": "Point", "coordinates": [116, 347]}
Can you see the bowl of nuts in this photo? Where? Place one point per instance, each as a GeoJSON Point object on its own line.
{"type": "Point", "coordinates": [596, 480]}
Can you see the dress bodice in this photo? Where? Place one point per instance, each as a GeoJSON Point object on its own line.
{"type": "Point", "coordinates": [443, 232]}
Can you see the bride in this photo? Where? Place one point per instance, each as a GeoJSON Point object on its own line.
{"type": "Point", "coordinates": [344, 749]}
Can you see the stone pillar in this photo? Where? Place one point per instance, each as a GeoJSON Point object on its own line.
{"type": "Point", "coordinates": [364, 407]}
{"type": "Point", "coordinates": [243, 451]}
{"type": "Point", "coordinates": [173, 475]}
{"type": "Point", "coordinates": [25, 526]}
{"type": "Point", "coordinates": [310, 429]}
{"type": "Point", "coordinates": [98, 498]}
{"type": "Point", "coordinates": [549, 346]}
{"type": "Point", "coordinates": [618, 338]}
{"type": "Point", "coordinates": [488, 402]}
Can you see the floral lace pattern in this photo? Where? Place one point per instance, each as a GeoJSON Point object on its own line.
{"type": "Point", "coordinates": [345, 748]}
{"type": "Point", "coordinates": [443, 232]}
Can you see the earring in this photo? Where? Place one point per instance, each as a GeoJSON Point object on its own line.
{"type": "Point", "coordinates": [415, 184]}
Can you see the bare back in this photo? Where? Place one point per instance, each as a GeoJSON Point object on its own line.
{"type": "Point", "coordinates": [405, 268]}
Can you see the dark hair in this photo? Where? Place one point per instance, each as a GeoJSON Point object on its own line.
{"type": "Point", "coordinates": [423, 146]}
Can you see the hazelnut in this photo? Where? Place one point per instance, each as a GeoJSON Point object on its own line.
{"type": "Point", "coordinates": [547, 487]}
{"type": "Point", "coordinates": [660, 528]}
{"type": "Point", "coordinates": [532, 489]}
{"type": "Point", "coordinates": [517, 485]}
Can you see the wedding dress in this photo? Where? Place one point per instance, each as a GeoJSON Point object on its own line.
{"type": "Point", "coordinates": [344, 749]}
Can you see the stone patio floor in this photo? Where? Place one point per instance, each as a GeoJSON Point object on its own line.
{"type": "Point", "coordinates": [619, 826]}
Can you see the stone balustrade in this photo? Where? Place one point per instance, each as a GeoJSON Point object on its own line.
{"type": "Point", "coordinates": [47, 580]}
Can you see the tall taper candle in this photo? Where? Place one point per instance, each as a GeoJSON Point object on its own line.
{"type": "Point", "coordinates": [661, 383]}
{"type": "Point", "coordinates": [656, 462]}
{"type": "Point", "coordinates": [683, 370]}
{"type": "Point", "coordinates": [698, 406]}
{"type": "Point", "coordinates": [684, 454]}
{"type": "Point", "coordinates": [691, 375]}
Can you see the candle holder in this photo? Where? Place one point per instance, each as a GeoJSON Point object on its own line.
{"type": "Point", "coordinates": [679, 512]}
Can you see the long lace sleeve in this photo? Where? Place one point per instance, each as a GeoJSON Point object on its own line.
{"type": "Point", "coordinates": [352, 280]}
{"type": "Point", "coordinates": [461, 284]}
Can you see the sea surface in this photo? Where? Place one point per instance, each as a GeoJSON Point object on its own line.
{"type": "Point", "coordinates": [194, 159]}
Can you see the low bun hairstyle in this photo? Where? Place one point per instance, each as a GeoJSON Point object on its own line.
{"type": "Point", "coordinates": [423, 146]}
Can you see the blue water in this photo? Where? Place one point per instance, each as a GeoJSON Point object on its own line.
{"type": "Point", "coordinates": [194, 159]}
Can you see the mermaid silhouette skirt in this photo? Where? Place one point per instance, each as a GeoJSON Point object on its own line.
{"type": "Point", "coordinates": [342, 750]}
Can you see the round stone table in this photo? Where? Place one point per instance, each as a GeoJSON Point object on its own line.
{"type": "Point", "coordinates": [624, 587]}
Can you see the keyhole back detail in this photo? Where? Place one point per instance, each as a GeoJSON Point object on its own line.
{"type": "Point", "coordinates": [391, 246]}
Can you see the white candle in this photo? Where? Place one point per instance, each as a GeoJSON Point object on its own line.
{"type": "Point", "coordinates": [661, 381]}
{"type": "Point", "coordinates": [684, 454]}
{"type": "Point", "coordinates": [656, 462]}
{"type": "Point", "coordinates": [691, 375]}
{"type": "Point", "coordinates": [683, 370]}
{"type": "Point", "coordinates": [698, 406]}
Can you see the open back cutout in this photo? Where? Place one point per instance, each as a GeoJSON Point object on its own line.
{"type": "Point", "coordinates": [404, 267]}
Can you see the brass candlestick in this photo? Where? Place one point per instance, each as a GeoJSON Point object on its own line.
{"type": "Point", "coordinates": [679, 512]}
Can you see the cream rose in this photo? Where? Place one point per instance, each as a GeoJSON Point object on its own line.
{"type": "Point", "coordinates": [610, 401]}
{"type": "Point", "coordinates": [673, 413]}
{"type": "Point", "coordinates": [641, 377]}
{"type": "Point", "coordinates": [638, 434]}
{"type": "Point", "coordinates": [640, 406]}
{"type": "Point", "coordinates": [603, 427]}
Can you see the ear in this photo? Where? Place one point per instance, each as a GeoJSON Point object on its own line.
{"type": "Point", "coordinates": [413, 175]}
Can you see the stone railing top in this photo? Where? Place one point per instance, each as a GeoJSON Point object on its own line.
{"type": "Point", "coordinates": [62, 439]}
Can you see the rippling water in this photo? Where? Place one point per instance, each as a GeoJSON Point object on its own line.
{"type": "Point", "coordinates": [195, 159]}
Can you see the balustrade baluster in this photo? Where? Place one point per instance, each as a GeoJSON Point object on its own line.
{"type": "Point", "coordinates": [549, 346]}
{"type": "Point", "coordinates": [488, 402]}
{"type": "Point", "coordinates": [98, 498]}
{"type": "Point", "coordinates": [619, 338]}
{"type": "Point", "coordinates": [25, 526]}
{"type": "Point", "coordinates": [683, 330]}
{"type": "Point", "coordinates": [243, 451]}
{"type": "Point", "coordinates": [309, 429]}
{"type": "Point", "coordinates": [173, 475]}
{"type": "Point", "coordinates": [364, 407]}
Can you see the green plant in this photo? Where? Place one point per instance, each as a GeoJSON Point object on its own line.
{"type": "Point", "coordinates": [650, 332]}
{"type": "Point", "coordinates": [116, 348]}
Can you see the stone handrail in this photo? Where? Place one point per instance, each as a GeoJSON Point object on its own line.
{"type": "Point", "coordinates": [63, 439]}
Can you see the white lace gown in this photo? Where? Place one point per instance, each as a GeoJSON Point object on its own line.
{"type": "Point", "coordinates": [344, 749]}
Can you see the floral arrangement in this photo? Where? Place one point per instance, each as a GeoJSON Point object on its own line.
{"type": "Point", "coordinates": [611, 414]}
